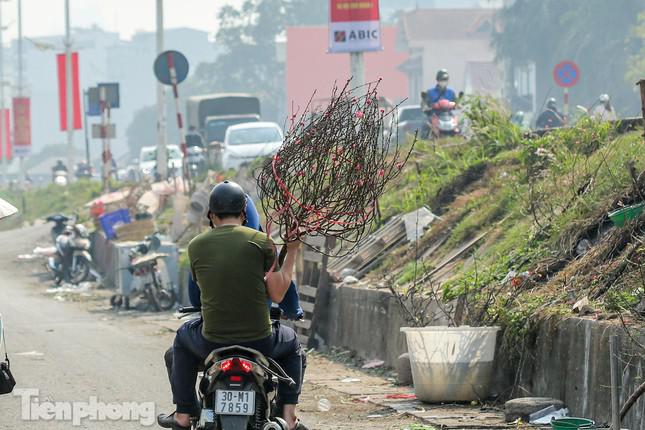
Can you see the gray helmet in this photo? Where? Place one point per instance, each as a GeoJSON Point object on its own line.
{"type": "Point", "coordinates": [227, 198]}
{"type": "Point", "coordinates": [442, 75]}
{"type": "Point", "coordinates": [604, 98]}
{"type": "Point", "coordinates": [551, 103]}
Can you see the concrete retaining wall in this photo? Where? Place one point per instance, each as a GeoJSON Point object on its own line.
{"type": "Point", "coordinates": [568, 360]}
{"type": "Point", "coordinates": [571, 362]}
{"type": "Point", "coordinates": [366, 321]}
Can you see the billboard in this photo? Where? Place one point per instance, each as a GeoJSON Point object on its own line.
{"type": "Point", "coordinates": [62, 92]}
{"type": "Point", "coordinates": [22, 126]}
{"type": "Point", "coordinates": [5, 135]}
{"type": "Point", "coordinates": [354, 26]}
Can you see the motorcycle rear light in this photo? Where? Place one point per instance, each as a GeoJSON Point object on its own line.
{"type": "Point", "coordinates": [236, 379]}
{"type": "Point", "coordinates": [236, 365]}
{"type": "Point", "coordinates": [226, 365]}
{"type": "Point", "coordinates": [247, 366]}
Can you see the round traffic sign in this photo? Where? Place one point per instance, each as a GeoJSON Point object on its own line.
{"type": "Point", "coordinates": [566, 74]}
{"type": "Point", "coordinates": [167, 59]}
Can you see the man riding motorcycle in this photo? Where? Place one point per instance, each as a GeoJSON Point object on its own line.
{"type": "Point", "coordinates": [603, 110]}
{"type": "Point", "coordinates": [441, 90]}
{"type": "Point", "coordinates": [229, 263]}
{"type": "Point", "coordinates": [550, 118]}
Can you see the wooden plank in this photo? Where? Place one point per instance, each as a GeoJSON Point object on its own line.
{"type": "Point", "coordinates": [307, 307]}
{"type": "Point", "coordinates": [312, 256]}
{"type": "Point", "coordinates": [317, 241]}
{"type": "Point", "coordinates": [307, 291]}
{"type": "Point", "coordinates": [370, 247]}
{"type": "Point", "coordinates": [304, 324]}
{"type": "Point", "coordinates": [304, 340]}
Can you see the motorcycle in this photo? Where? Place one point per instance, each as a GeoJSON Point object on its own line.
{"type": "Point", "coordinates": [83, 171]}
{"type": "Point", "coordinates": [442, 120]}
{"type": "Point", "coordinates": [72, 260]}
{"type": "Point", "coordinates": [147, 284]}
{"type": "Point", "coordinates": [61, 178]}
{"type": "Point", "coordinates": [237, 390]}
{"type": "Point", "coordinates": [196, 161]}
{"type": "Point", "coordinates": [60, 222]}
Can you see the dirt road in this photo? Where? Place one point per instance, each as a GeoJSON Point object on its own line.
{"type": "Point", "coordinates": [78, 355]}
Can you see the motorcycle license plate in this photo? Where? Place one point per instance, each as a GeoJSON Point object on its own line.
{"type": "Point", "coordinates": [230, 402]}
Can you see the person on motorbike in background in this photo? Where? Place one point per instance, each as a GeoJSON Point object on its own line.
{"type": "Point", "coordinates": [550, 118]}
{"type": "Point", "coordinates": [440, 90]}
{"type": "Point", "coordinates": [229, 263]}
{"type": "Point", "coordinates": [58, 167]}
{"type": "Point", "coordinates": [603, 110]}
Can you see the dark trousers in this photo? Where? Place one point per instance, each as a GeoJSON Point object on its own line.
{"type": "Point", "coordinates": [190, 349]}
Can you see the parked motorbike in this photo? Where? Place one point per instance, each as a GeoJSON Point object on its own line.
{"type": "Point", "coordinates": [237, 389]}
{"type": "Point", "coordinates": [72, 260]}
{"type": "Point", "coordinates": [60, 222]}
{"type": "Point", "coordinates": [148, 284]}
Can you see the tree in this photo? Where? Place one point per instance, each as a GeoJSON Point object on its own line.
{"type": "Point", "coordinates": [593, 33]}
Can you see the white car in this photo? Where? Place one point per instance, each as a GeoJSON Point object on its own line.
{"type": "Point", "coordinates": [148, 160]}
{"type": "Point", "coordinates": [245, 142]}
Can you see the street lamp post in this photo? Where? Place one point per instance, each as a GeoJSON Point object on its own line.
{"type": "Point", "coordinates": [162, 162]}
{"type": "Point", "coordinates": [69, 90]}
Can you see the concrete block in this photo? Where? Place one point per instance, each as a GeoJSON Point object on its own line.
{"type": "Point", "coordinates": [524, 406]}
{"type": "Point", "coordinates": [403, 370]}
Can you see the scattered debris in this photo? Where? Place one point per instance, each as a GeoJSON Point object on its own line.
{"type": "Point", "coordinates": [545, 415]}
{"type": "Point", "coordinates": [523, 407]}
{"type": "Point", "coordinates": [583, 307]}
{"type": "Point", "coordinates": [402, 396]}
{"type": "Point", "coordinates": [324, 405]}
{"type": "Point", "coordinates": [416, 223]}
{"type": "Point", "coordinates": [348, 280]}
{"type": "Point", "coordinates": [30, 354]}
{"type": "Point", "coordinates": [373, 364]}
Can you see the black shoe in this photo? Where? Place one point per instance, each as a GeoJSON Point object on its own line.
{"type": "Point", "coordinates": [168, 422]}
{"type": "Point", "coordinates": [300, 426]}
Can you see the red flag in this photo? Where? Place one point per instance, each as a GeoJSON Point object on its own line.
{"type": "Point", "coordinates": [5, 136]}
{"type": "Point", "coordinates": [62, 91]}
{"type": "Point", "coordinates": [21, 126]}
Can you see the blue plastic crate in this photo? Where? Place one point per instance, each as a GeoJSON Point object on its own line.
{"type": "Point", "coordinates": [110, 220]}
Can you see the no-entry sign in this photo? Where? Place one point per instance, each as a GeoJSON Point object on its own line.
{"type": "Point", "coordinates": [354, 26]}
{"type": "Point", "coordinates": [566, 74]}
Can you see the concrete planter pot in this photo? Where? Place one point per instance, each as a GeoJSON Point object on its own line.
{"type": "Point", "coordinates": [451, 363]}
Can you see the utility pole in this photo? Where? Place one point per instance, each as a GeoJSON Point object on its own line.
{"type": "Point", "coordinates": [162, 159]}
{"type": "Point", "coordinates": [357, 68]}
{"type": "Point", "coordinates": [5, 162]}
{"type": "Point", "coordinates": [70, 95]}
{"type": "Point", "coordinates": [21, 85]}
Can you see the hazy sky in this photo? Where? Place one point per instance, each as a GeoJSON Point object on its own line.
{"type": "Point", "coordinates": [47, 17]}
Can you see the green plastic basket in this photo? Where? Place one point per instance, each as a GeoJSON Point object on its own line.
{"type": "Point", "coordinates": [621, 216]}
{"type": "Point", "coordinates": [572, 423]}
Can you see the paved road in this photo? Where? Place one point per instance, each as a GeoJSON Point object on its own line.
{"type": "Point", "coordinates": [69, 354]}
{"type": "Point", "coordinates": [83, 352]}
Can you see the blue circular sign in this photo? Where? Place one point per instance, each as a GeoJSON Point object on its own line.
{"type": "Point", "coordinates": [566, 74]}
{"type": "Point", "coordinates": [163, 63]}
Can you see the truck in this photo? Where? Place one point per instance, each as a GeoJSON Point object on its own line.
{"type": "Point", "coordinates": [210, 115]}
